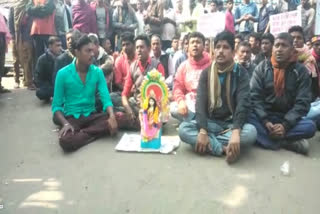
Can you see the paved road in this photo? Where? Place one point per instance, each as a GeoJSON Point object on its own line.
{"type": "Point", "coordinates": [37, 177]}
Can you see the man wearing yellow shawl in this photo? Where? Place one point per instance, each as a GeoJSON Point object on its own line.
{"type": "Point", "coordinates": [222, 106]}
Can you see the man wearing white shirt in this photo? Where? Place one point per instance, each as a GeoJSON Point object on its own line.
{"type": "Point", "coordinates": [139, 15]}
{"type": "Point", "coordinates": [169, 25]}
{"type": "Point", "coordinates": [164, 58]}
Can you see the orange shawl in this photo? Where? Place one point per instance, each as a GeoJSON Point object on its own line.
{"type": "Point", "coordinates": [279, 73]}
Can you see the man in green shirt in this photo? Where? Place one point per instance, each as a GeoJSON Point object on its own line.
{"type": "Point", "coordinates": [73, 103]}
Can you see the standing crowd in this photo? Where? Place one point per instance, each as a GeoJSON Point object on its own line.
{"type": "Point", "coordinates": [244, 86]}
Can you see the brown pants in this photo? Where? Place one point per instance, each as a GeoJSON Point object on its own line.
{"type": "Point", "coordinates": [16, 62]}
{"type": "Point", "coordinates": [86, 130]}
{"type": "Point", "coordinates": [25, 51]}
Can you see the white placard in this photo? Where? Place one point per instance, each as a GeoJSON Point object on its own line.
{"type": "Point", "coordinates": [211, 24]}
{"type": "Point", "coordinates": [282, 22]}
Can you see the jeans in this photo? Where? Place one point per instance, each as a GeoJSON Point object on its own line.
{"type": "Point", "coordinates": [314, 112]}
{"type": "Point", "coordinates": [304, 129]}
{"type": "Point", "coordinates": [188, 133]}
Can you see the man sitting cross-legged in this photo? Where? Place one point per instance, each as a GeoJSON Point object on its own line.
{"type": "Point", "coordinates": [73, 104]}
{"type": "Point", "coordinates": [281, 96]}
{"type": "Point", "coordinates": [187, 78]}
{"type": "Point", "coordinates": [45, 68]}
{"type": "Point", "coordinates": [138, 70]}
{"type": "Point", "coordinates": [222, 106]}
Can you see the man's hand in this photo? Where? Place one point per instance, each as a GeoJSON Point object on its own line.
{"type": "Point", "coordinates": [250, 17]}
{"type": "Point", "coordinates": [202, 142]}
{"type": "Point", "coordinates": [113, 125]}
{"type": "Point", "coordinates": [182, 108]}
{"type": "Point", "coordinates": [244, 18]}
{"type": "Point", "coordinates": [138, 99]}
{"type": "Point", "coordinates": [233, 148]}
{"type": "Point", "coordinates": [269, 126]}
{"type": "Point", "coordinates": [130, 114]}
{"type": "Point", "coordinates": [65, 129]}
{"type": "Point", "coordinates": [278, 130]}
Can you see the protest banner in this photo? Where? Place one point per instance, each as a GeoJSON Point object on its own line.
{"type": "Point", "coordinates": [282, 22]}
{"type": "Point", "coordinates": [211, 24]}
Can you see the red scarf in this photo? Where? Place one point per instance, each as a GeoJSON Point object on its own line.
{"type": "Point", "coordinates": [279, 73]}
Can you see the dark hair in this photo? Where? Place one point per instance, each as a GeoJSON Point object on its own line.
{"type": "Point", "coordinates": [256, 36]}
{"type": "Point", "coordinates": [296, 29]}
{"type": "Point", "coordinates": [219, 3]}
{"type": "Point", "coordinates": [71, 31]}
{"type": "Point", "coordinates": [75, 36]}
{"type": "Point", "coordinates": [197, 35]}
{"type": "Point", "coordinates": [229, 1]}
{"type": "Point", "coordinates": [156, 36]}
{"type": "Point", "coordinates": [238, 36]}
{"type": "Point", "coordinates": [94, 38]}
{"type": "Point", "coordinates": [214, 1]}
{"type": "Point", "coordinates": [244, 44]}
{"type": "Point", "coordinates": [225, 36]}
{"type": "Point", "coordinates": [268, 36]}
{"type": "Point", "coordinates": [144, 38]}
{"type": "Point", "coordinates": [285, 36]}
{"type": "Point", "coordinates": [185, 38]}
{"type": "Point", "coordinates": [82, 41]}
{"type": "Point", "coordinates": [53, 39]}
{"type": "Point", "coordinates": [128, 37]}
{"type": "Point", "coordinates": [176, 37]}
{"type": "Point", "coordinates": [107, 68]}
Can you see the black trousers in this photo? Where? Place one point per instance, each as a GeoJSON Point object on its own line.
{"type": "Point", "coordinates": [40, 44]}
{"type": "Point", "coordinates": [166, 44]}
{"type": "Point", "coordinates": [44, 91]}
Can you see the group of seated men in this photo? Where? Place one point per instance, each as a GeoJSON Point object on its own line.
{"type": "Point", "coordinates": [224, 103]}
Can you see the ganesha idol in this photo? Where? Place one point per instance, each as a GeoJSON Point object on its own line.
{"type": "Point", "coordinates": [154, 109]}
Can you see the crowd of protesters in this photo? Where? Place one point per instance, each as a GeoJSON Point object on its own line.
{"type": "Point", "coordinates": [242, 87]}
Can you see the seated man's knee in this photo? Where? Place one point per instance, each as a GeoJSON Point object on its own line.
{"type": "Point", "coordinates": [73, 141]}
{"type": "Point", "coordinates": [43, 94]}
{"type": "Point", "coordinates": [66, 143]}
{"type": "Point", "coordinates": [310, 128]}
{"type": "Point", "coordinates": [40, 94]}
{"type": "Point", "coordinates": [185, 130]}
{"type": "Point", "coordinates": [56, 121]}
{"type": "Point", "coordinates": [249, 134]}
